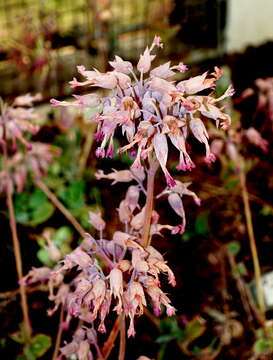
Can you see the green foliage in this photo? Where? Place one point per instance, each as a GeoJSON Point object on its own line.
{"type": "Point", "coordinates": [264, 342]}
{"type": "Point", "coordinates": [201, 227]}
{"type": "Point", "coordinates": [32, 207]}
{"type": "Point", "coordinates": [233, 248]}
{"type": "Point", "coordinates": [73, 195]}
{"type": "Point", "coordinates": [34, 348]}
{"type": "Point", "coordinates": [266, 210]}
{"type": "Point", "coordinates": [38, 346]}
{"type": "Point", "coordinates": [61, 237]}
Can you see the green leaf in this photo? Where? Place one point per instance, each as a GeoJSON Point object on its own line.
{"type": "Point", "coordinates": [201, 223]}
{"type": "Point", "coordinates": [44, 257]}
{"type": "Point", "coordinates": [234, 247]}
{"type": "Point", "coordinates": [165, 338]}
{"type": "Point", "coordinates": [41, 214]}
{"type": "Point", "coordinates": [241, 269]}
{"type": "Point", "coordinates": [38, 347]}
{"type": "Point", "coordinates": [263, 345]}
{"type": "Point", "coordinates": [63, 236]}
{"type": "Point", "coordinates": [32, 208]}
{"type": "Point", "coordinates": [266, 211]}
{"type": "Point", "coordinates": [36, 199]}
{"type": "Point", "coordinates": [73, 195]}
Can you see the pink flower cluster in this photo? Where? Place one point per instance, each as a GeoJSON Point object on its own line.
{"type": "Point", "coordinates": [17, 122]}
{"type": "Point", "coordinates": [151, 108]}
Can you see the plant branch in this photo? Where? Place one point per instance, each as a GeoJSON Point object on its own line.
{"type": "Point", "coordinates": [17, 252]}
{"type": "Point", "coordinates": [109, 343]}
{"type": "Point", "coordinates": [154, 164]}
{"type": "Point", "coordinates": [59, 335]}
{"type": "Point", "coordinates": [252, 241]}
{"type": "Point", "coordinates": [122, 344]}
{"type": "Point", "coordinates": [60, 206]}
{"type": "Point", "coordinates": [100, 254]}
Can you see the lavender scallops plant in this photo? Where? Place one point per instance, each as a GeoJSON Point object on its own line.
{"type": "Point", "coordinates": [149, 108]}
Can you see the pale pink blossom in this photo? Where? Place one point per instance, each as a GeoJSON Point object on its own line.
{"type": "Point", "coordinates": [144, 63]}
{"type": "Point", "coordinates": [96, 220]}
{"type": "Point", "coordinates": [121, 65]}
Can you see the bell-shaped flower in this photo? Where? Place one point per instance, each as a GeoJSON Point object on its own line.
{"type": "Point", "coordinates": [132, 197]}
{"type": "Point", "coordinates": [255, 138]}
{"type": "Point", "coordinates": [144, 63]}
{"type": "Point", "coordinates": [121, 65]}
{"type": "Point", "coordinates": [162, 71]}
{"type": "Point", "coordinates": [96, 220]}
{"type": "Point", "coordinates": [161, 151]}
{"type": "Point", "coordinates": [176, 203]}
{"type": "Point", "coordinates": [200, 133]}
{"type": "Point", "coordinates": [116, 287]}
{"type": "Point", "coordinates": [196, 84]}
{"type": "Point", "coordinates": [116, 176]}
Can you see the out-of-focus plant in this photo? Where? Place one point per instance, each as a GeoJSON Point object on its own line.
{"type": "Point", "coordinates": [19, 157]}
{"type": "Point", "coordinates": [121, 273]}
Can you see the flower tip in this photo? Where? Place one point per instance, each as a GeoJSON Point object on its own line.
{"type": "Point", "coordinates": [54, 102]}
{"type": "Point", "coordinates": [100, 152]}
{"type": "Point", "coordinates": [170, 311]}
{"type": "Point", "coordinates": [170, 181]}
{"type": "Point", "coordinates": [73, 83]}
{"type": "Point", "coordinates": [210, 158]}
{"type": "Point", "coordinates": [198, 202]}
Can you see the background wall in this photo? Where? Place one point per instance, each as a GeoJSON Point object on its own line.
{"type": "Point", "coordinates": [250, 22]}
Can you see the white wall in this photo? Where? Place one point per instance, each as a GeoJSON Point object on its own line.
{"type": "Point", "coordinates": [250, 22]}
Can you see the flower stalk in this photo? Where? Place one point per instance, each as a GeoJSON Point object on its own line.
{"type": "Point", "coordinates": [252, 241]}
{"type": "Point", "coordinates": [17, 250]}
{"type": "Point", "coordinates": [154, 164]}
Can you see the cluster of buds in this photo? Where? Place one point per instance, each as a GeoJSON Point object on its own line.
{"type": "Point", "coordinates": [17, 119]}
{"type": "Point", "coordinates": [151, 109]}
{"type": "Point", "coordinates": [17, 122]}
{"type": "Point", "coordinates": [132, 273]}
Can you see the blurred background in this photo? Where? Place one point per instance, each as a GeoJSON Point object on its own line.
{"type": "Point", "coordinates": [42, 41]}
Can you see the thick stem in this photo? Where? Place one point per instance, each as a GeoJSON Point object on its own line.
{"type": "Point", "coordinates": [252, 242]}
{"type": "Point", "coordinates": [154, 164]}
{"type": "Point", "coordinates": [60, 206]}
{"type": "Point", "coordinates": [18, 260]}
{"type": "Point", "coordinates": [122, 344]}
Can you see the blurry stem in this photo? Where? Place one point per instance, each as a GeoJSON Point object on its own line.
{"type": "Point", "coordinates": [154, 164]}
{"type": "Point", "coordinates": [86, 148]}
{"type": "Point", "coordinates": [60, 206]}
{"type": "Point", "coordinates": [59, 335]}
{"type": "Point", "coordinates": [16, 248]}
{"type": "Point", "coordinates": [52, 197]}
{"type": "Point", "coordinates": [109, 343]}
{"type": "Point", "coordinates": [248, 216]}
{"type": "Point", "coordinates": [122, 343]}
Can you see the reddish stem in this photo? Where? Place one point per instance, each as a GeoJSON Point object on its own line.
{"type": "Point", "coordinates": [154, 164]}
{"type": "Point", "coordinates": [109, 343]}
{"type": "Point", "coordinates": [18, 259]}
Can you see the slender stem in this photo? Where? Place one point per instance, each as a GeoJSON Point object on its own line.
{"type": "Point", "coordinates": [59, 335]}
{"type": "Point", "coordinates": [18, 258]}
{"type": "Point", "coordinates": [252, 241]}
{"type": "Point", "coordinates": [109, 343]}
{"type": "Point", "coordinates": [149, 202]}
{"type": "Point", "coordinates": [60, 206]}
{"type": "Point", "coordinates": [99, 252]}
{"type": "Point", "coordinates": [122, 344]}
{"type": "Point", "coordinates": [87, 147]}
